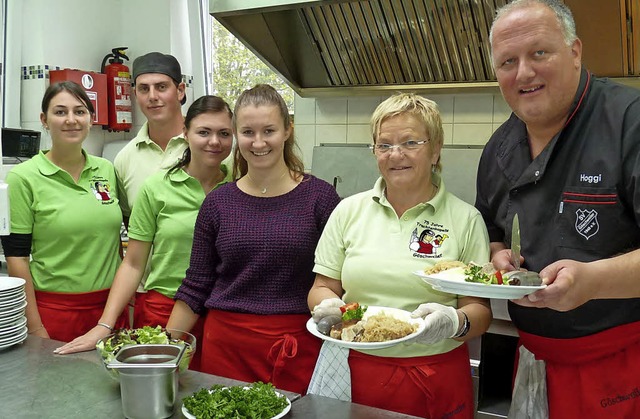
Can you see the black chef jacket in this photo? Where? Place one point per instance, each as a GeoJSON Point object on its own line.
{"type": "Point", "coordinates": [579, 199]}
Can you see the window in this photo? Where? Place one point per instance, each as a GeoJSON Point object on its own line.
{"type": "Point", "coordinates": [234, 68]}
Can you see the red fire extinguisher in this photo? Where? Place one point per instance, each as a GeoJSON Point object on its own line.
{"type": "Point", "coordinates": [118, 90]}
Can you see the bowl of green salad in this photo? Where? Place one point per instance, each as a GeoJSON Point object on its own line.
{"type": "Point", "coordinates": [255, 400]}
{"type": "Point", "coordinates": [109, 346]}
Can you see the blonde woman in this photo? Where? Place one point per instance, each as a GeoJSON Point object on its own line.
{"type": "Point", "coordinates": [372, 243]}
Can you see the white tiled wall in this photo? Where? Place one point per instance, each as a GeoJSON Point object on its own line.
{"type": "Point", "coordinates": [467, 119]}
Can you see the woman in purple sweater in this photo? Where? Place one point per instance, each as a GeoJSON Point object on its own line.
{"type": "Point", "coordinates": [253, 252]}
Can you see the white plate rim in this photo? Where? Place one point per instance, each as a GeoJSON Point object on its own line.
{"type": "Point", "coordinates": [15, 309]}
{"type": "Point", "coordinates": [188, 415]}
{"type": "Point", "coordinates": [371, 310]}
{"type": "Point", "coordinates": [11, 282]}
{"type": "Point", "coordinates": [10, 319]}
{"type": "Point", "coordinates": [14, 339]}
{"type": "Point", "coordinates": [17, 325]}
{"type": "Point", "coordinates": [13, 294]}
{"type": "Point", "coordinates": [18, 340]}
{"type": "Point", "coordinates": [442, 281]}
{"type": "Point", "coordinates": [11, 303]}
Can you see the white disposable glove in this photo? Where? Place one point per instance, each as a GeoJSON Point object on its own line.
{"type": "Point", "coordinates": [441, 322]}
{"type": "Point", "coordinates": [327, 307]}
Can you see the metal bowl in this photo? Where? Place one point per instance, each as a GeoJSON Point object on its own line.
{"type": "Point", "coordinates": [175, 337]}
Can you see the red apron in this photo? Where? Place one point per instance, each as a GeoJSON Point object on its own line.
{"type": "Point", "coordinates": [153, 309]}
{"type": "Point", "coordinates": [67, 316]}
{"type": "Point", "coordinates": [275, 348]}
{"type": "Point", "coordinates": [596, 376]}
{"type": "Point", "coordinates": [436, 386]}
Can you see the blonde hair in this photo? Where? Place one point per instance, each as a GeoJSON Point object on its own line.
{"type": "Point", "coordinates": [421, 108]}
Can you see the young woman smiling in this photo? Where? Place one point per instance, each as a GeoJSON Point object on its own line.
{"type": "Point", "coordinates": [57, 217]}
{"type": "Point", "coordinates": [252, 257]}
{"type": "Point", "coordinates": [162, 222]}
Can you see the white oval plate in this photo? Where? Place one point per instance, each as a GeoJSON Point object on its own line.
{"type": "Point", "coordinates": [22, 333]}
{"type": "Point", "coordinates": [14, 341]}
{"type": "Point", "coordinates": [188, 415]}
{"type": "Point", "coordinates": [13, 327]}
{"type": "Point", "coordinates": [9, 304]}
{"type": "Point", "coordinates": [11, 319]}
{"type": "Point", "coordinates": [371, 310]}
{"type": "Point", "coordinates": [14, 309]}
{"type": "Point", "coordinates": [452, 281]}
{"type": "Point", "coordinates": [12, 295]}
{"type": "Point", "coordinates": [11, 282]}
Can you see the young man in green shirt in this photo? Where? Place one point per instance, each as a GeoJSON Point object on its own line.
{"type": "Point", "coordinates": [160, 93]}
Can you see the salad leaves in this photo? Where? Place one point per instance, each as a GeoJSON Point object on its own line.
{"type": "Point", "coordinates": [352, 311]}
{"type": "Point", "coordinates": [484, 274]}
{"type": "Point", "coordinates": [110, 346]}
{"type": "Point", "coordinates": [255, 401]}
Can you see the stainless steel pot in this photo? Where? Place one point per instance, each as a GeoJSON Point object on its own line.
{"type": "Point", "coordinates": [148, 379]}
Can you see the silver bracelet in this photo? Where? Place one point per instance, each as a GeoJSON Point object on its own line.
{"type": "Point", "coordinates": [105, 325]}
{"type": "Point", "coordinates": [465, 326]}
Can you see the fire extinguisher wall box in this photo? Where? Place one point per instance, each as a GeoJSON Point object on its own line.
{"type": "Point", "coordinates": [95, 84]}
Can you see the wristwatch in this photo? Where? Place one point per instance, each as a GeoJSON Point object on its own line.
{"type": "Point", "coordinates": [466, 325]}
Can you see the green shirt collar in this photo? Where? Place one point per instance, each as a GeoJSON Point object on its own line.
{"type": "Point", "coordinates": [47, 168]}
{"type": "Point", "coordinates": [380, 197]}
{"type": "Point", "coordinates": [143, 136]}
{"type": "Point", "coordinates": [182, 176]}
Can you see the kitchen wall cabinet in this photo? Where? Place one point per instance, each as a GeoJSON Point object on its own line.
{"type": "Point", "coordinates": [609, 30]}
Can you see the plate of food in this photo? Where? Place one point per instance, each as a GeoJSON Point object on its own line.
{"type": "Point", "coordinates": [367, 327]}
{"type": "Point", "coordinates": [257, 400]}
{"type": "Point", "coordinates": [480, 280]}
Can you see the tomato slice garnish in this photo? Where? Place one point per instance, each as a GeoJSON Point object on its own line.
{"type": "Point", "coordinates": [499, 277]}
{"type": "Point", "coordinates": [349, 306]}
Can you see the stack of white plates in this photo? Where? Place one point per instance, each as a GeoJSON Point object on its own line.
{"type": "Point", "coordinates": [13, 322]}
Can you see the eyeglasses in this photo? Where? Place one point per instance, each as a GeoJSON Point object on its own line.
{"type": "Point", "coordinates": [409, 145]}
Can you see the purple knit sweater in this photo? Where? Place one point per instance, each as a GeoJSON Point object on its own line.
{"type": "Point", "coordinates": [253, 254]}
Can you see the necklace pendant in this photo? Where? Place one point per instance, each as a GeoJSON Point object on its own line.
{"type": "Point", "coordinates": [264, 190]}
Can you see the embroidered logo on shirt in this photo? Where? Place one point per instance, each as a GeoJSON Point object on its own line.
{"type": "Point", "coordinates": [590, 178]}
{"type": "Point", "coordinates": [101, 189]}
{"type": "Point", "coordinates": [426, 240]}
{"type": "Point", "coordinates": [587, 223]}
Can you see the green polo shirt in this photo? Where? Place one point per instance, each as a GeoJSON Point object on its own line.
{"type": "Point", "coordinates": [75, 227]}
{"type": "Point", "coordinates": [165, 215]}
{"type": "Point", "coordinates": [374, 252]}
{"type": "Point", "coordinates": [141, 158]}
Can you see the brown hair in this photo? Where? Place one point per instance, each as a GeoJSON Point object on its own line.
{"type": "Point", "coordinates": [265, 95]}
{"type": "Point", "coordinates": [67, 86]}
{"type": "Point", "coordinates": [204, 104]}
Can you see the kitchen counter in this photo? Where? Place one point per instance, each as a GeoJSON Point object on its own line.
{"type": "Point", "coordinates": [36, 383]}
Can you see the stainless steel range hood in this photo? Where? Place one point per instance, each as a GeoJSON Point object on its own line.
{"type": "Point", "coordinates": [351, 47]}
